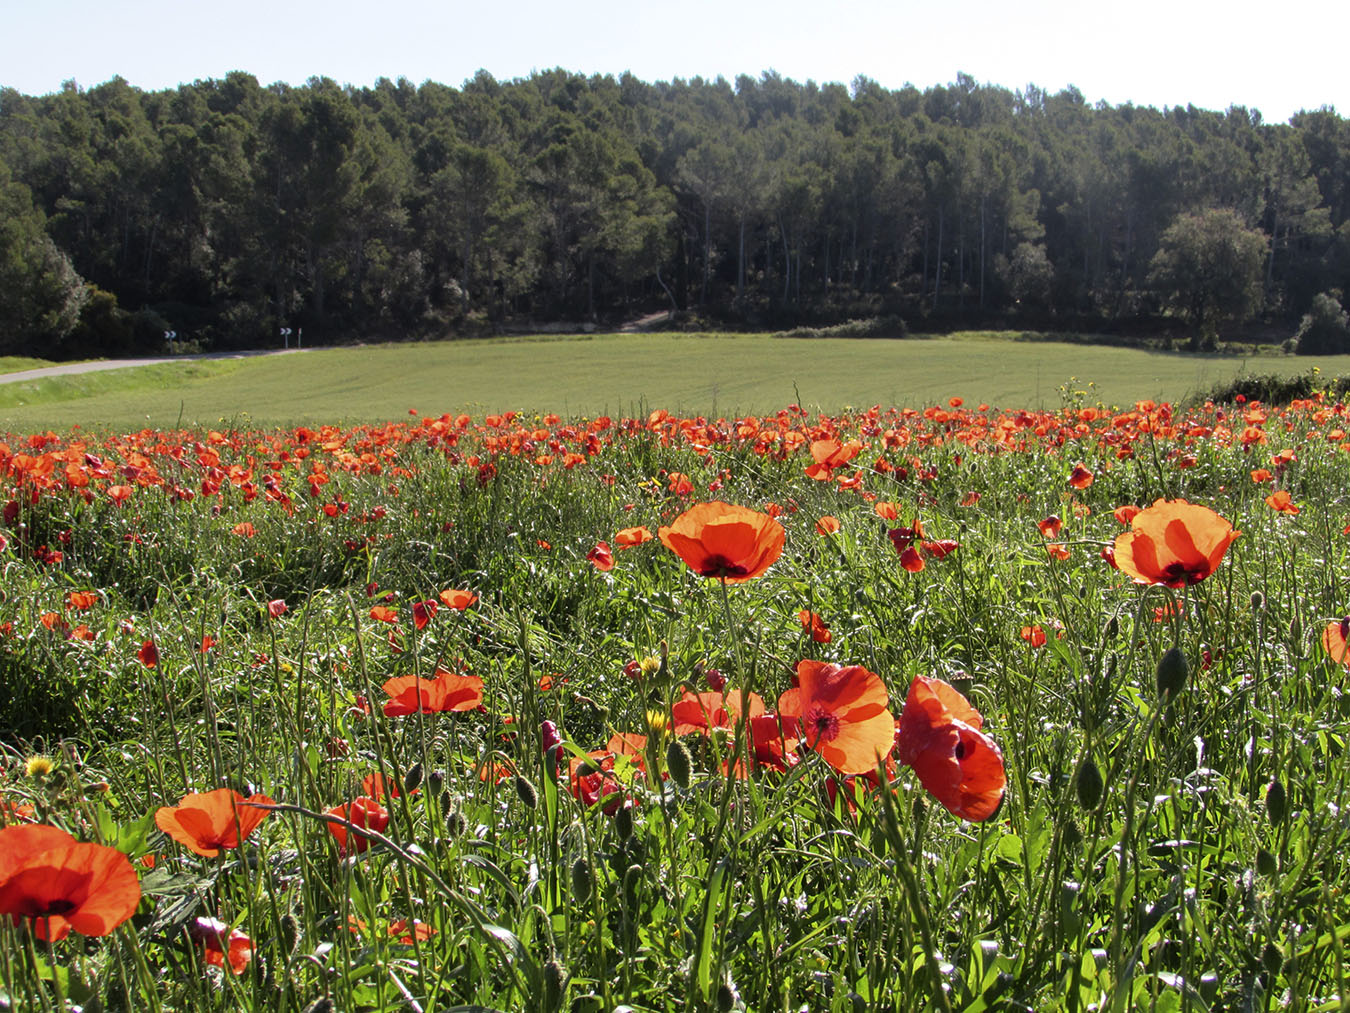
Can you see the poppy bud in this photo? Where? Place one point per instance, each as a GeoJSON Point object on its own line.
{"type": "Point", "coordinates": [582, 880]}
{"type": "Point", "coordinates": [679, 763]}
{"type": "Point", "coordinates": [436, 782]}
{"type": "Point", "coordinates": [551, 761]}
{"type": "Point", "coordinates": [1088, 782]}
{"type": "Point", "coordinates": [1258, 601]}
{"type": "Point", "coordinates": [1295, 629]}
{"type": "Point", "coordinates": [1072, 835]}
{"type": "Point", "coordinates": [632, 879]}
{"type": "Point", "coordinates": [412, 780]}
{"type": "Point", "coordinates": [726, 996]}
{"type": "Point", "coordinates": [555, 980]}
{"type": "Point", "coordinates": [1171, 673]}
{"type": "Point", "coordinates": [455, 823]}
{"type": "Point", "coordinates": [1265, 863]}
{"type": "Point", "coordinates": [548, 735]}
{"type": "Point", "coordinates": [290, 932]}
{"type": "Point", "coordinates": [1272, 959]}
{"type": "Point", "coordinates": [1276, 801]}
{"type": "Point", "coordinates": [623, 823]}
{"type": "Point", "coordinates": [529, 797]}
{"type": "Point", "coordinates": [1112, 628]}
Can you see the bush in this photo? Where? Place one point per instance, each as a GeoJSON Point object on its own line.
{"type": "Point", "coordinates": [1325, 328]}
{"type": "Point", "coordinates": [873, 327]}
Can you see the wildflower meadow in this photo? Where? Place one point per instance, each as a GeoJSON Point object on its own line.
{"type": "Point", "coordinates": [958, 708]}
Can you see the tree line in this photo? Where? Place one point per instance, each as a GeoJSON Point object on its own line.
{"type": "Point", "coordinates": [224, 210]}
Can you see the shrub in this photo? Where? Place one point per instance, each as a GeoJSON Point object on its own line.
{"type": "Point", "coordinates": [1325, 328]}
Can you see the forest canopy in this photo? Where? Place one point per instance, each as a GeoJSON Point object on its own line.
{"type": "Point", "coordinates": [224, 210]}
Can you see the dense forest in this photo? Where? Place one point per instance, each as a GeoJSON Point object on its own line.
{"type": "Point", "coordinates": [224, 210]}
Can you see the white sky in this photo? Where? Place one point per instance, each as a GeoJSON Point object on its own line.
{"type": "Point", "coordinates": [1275, 57]}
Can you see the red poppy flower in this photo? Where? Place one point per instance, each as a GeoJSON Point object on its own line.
{"type": "Point", "coordinates": [1051, 526]}
{"type": "Point", "coordinates": [820, 633]}
{"type": "Point", "coordinates": [902, 538]}
{"type": "Point", "coordinates": [1033, 635]}
{"type": "Point", "coordinates": [244, 529]}
{"type": "Point", "coordinates": [423, 612]}
{"type": "Point", "coordinates": [629, 537]}
{"type": "Point", "coordinates": [276, 608]}
{"type": "Point", "coordinates": [840, 712]}
{"type": "Point", "coordinates": [911, 560]}
{"type": "Point", "coordinates": [827, 525]}
{"type": "Point", "coordinates": [365, 813]}
{"type": "Point", "coordinates": [601, 557]}
{"type": "Point", "coordinates": [939, 736]}
{"type": "Point", "coordinates": [702, 712]}
{"type": "Point", "coordinates": [940, 549]}
{"type": "Point", "coordinates": [378, 786]}
{"type": "Point", "coordinates": [1261, 475]}
{"type": "Point", "coordinates": [206, 822]}
{"type": "Point", "coordinates": [222, 943]}
{"type": "Point", "coordinates": [1125, 514]}
{"type": "Point", "coordinates": [830, 454]}
{"type": "Point", "coordinates": [60, 884]}
{"type": "Point", "coordinates": [1057, 550]}
{"type": "Point", "coordinates": [1173, 543]}
{"type": "Point", "coordinates": [80, 600]}
{"type": "Point", "coordinates": [886, 510]}
{"type": "Point", "coordinates": [148, 655]}
{"type": "Point", "coordinates": [1080, 477]}
{"type": "Point", "coordinates": [717, 539]}
{"type": "Point", "coordinates": [1334, 640]}
{"type": "Point", "coordinates": [409, 694]}
{"type": "Point", "coordinates": [457, 599]}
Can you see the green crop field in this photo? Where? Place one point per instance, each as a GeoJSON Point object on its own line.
{"type": "Point", "coordinates": [617, 373]}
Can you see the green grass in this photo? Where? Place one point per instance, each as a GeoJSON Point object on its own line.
{"type": "Point", "coordinates": [703, 374]}
{"type": "Point", "coordinates": [18, 363]}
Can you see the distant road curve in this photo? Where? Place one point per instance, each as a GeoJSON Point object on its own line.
{"type": "Point", "coordinates": [71, 368]}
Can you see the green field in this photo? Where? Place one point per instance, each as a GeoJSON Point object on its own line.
{"type": "Point", "coordinates": [619, 373]}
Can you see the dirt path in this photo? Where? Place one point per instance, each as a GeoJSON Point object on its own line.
{"type": "Point", "coordinates": [71, 368]}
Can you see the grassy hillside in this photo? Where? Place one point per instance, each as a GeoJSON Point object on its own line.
{"type": "Point", "coordinates": [616, 373]}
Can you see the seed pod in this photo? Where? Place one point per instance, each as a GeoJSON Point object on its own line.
{"type": "Point", "coordinates": [1088, 782]}
{"type": "Point", "coordinates": [623, 823]}
{"type": "Point", "coordinates": [412, 780]}
{"type": "Point", "coordinates": [679, 763]}
{"type": "Point", "coordinates": [1171, 674]}
{"type": "Point", "coordinates": [582, 880]}
{"type": "Point", "coordinates": [1265, 863]}
{"type": "Point", "coordinates": [1276, 801]}
{"type": "Point", "coordinates": [529, 797]}
{"type": "Point", "coordinates": [555, 980]}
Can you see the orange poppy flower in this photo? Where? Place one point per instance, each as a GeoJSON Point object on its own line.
{"type": "Point", "coordinates": [222, 943]}
{"type": "Point", "coordinates": [829, 454]}
{"type": "Point", "coordinates": [1261, 476]}
{"type": "Point", "coordinates": [1334, 640]}
{"type": "Point", "coordinates": [457, 599]}
{"type": "Point", "coordinates": [384, 614]}
{"type": "Point", "coordinates": [206, 822]}
{"type": "Point", "coordinates": [939, 736]}
{"type": "Point", "coordinates": [717, 539]}
{"type": "Point", "coordinates": [827, 525]}
{"type": "Point", "coordinates": [1125, 514]}
{"type": "Point", "coordinates": [886, 510]}
{"type": "Point", "coordinates": [1080, 477]}
{"type": "Point", "coordinates": [629, 537]}
{"type": "Point", "coordinates": [702, 712]}
{"type": "Point", "coordinates": [409, 694]}
{"type": "Point", "coordinates": [840, 712]}
{"type": "Point", "coordinates": [60, 884]}
{"type": "Point", "coordinates": [80, 600]}
{"type": "Point", "coordinates": [1050, 527]}
{"type": "Point", "coordinates": [1282, 502]}
{"type": "Point", "coordinates": [1173, 543]}
{"type": "Point", "coordinates": [1057, 550]}
{"type": "Point", "coordinates": [365, 813]}
{"type": "Point", "coordinates": [820, 633]}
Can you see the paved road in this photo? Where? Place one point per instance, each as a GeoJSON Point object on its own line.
{"type": "Point", "coordinates": [69, 368]}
